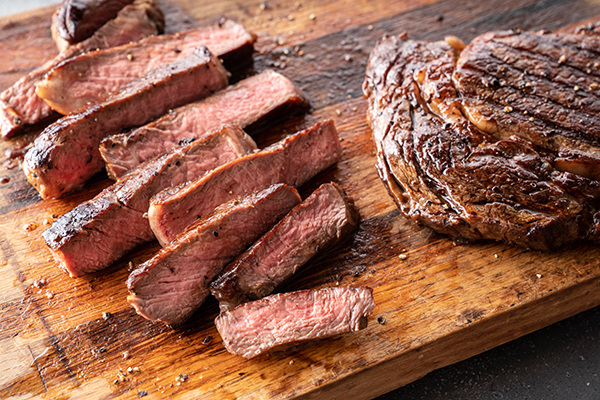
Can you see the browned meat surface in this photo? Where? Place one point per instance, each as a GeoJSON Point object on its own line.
{"type": "Point", "coordinates": [20, 105]}
{"type": "Point", "coordinates": [98, 232]}
{"type": "Point", "coordinates": [77, 20]}
{"type": "Point", "coordinates": [66, 154]}
{"type": "Point", "coordinates": [292, 161]}
{"type": "Point", "coordinates": [497, 142]}
{"type": "Point", "coordinates": [324, 218]}
{"type": "Point", "coordinates": [259, 326]}
{"type": "Point", "coordinates": [174, 283]}
{"type": "Point", "coordinates": [92, 77]}
{"type": "Point", "coordinates": [254, 99]}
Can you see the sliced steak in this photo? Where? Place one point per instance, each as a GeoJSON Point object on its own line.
{"type": "Point", "coordinates": [116, 219]}
{"type": "Point", "coordinates": [502, 182]}
{"type": "Point", "coordinates": [245, 103]}
{"type": "Point", "coordinates": [324, 218]}
{"type": "Point", "coordinates": [66, 154]}
{"type": "Point", "coordinates": [174, 283]}
{"type": "Point", "coordinates": [281, 319]}
{"type": "Point", "coordinates": [77, 20]}
{"type": "Point", "coordinates": [292, 161]}
{"type": "Point", "coordinates": [20, 105]}
{"type": "Point", "coordinates": [92, 77]}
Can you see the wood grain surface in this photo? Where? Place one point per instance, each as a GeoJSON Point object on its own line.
{"type": "Point", "coordinates": [439, 303]}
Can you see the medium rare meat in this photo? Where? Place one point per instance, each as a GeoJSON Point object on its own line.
{"type": "Point", "coordinates": [324, 218]}
{"type": "Point", "coordinates": [66, 154]}
{"type": "Point", "coordinates": [293, 161]}
{"type": "Point", "coordinates": [21, 106]}
{"type": "Point", "coordinates": [242, 104]}
{"type": "Point", "coordinates": [474, 144]}
{"type": "Point", "coordinates": [116, 219]}
{"type": "Point", "coordinates": [92, 77]}
{"type": "Point", "coordinates": [174, 283]}
{"type": "Point", "coordinates": [77, 20]}
{"type": "Point", "coordinates": [259, 326]}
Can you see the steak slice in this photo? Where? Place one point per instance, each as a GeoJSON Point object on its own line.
{"type": "Point", "coordinates": [243, 104]}
{"type": "Point", "coordinates": [281, 319]}
{"type": "Point", "coordinates": [116, 219]}
{"type": "Point", "coordinates": [293, 161]}
{"type": "Point", "coordinates": [20, 105]}
{"type": "Point", "coordinates": [92, 77]}
{"type": "Point", "coordinates": [446, 173]}
{"type": "Point", "coordinates": [174, 283]}
{"type": "Point", "coordinates": [77, 20]}
{"type": "Point", "coordinates": [66, 154]}
{"type": "Point", "coordinates": [324, 218]}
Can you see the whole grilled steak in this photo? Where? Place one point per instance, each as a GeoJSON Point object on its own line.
{"type": "Point", "coordinates": [116, 216]}
{"type": "Point", "coordinates": [497, 142]}
{"type": "Point", "coordinates": [281, 319]}
{"type": "Point", "coordinates": [76, 20]}
{"type": "Point", "coordinates": [293, 161]}
{"type": "Point", "coordinates": [243, 104]}
{"type": "Point", "coordinates": [174, 283]}
{"type": "Point", "coordinates": [66, 155]}
{"type": "Point", "coordinates": [324, 218]}
{"type": "Point", "coordinates": [92, 77]}
{"type": "Point", "coordinates": [21, 106]}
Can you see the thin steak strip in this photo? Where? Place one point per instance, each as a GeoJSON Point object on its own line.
{"type": "Point", "coordinates": [254, 99]}
{"type": "Point", "coordinates": [115, 218]}
{"type": "Point", "coordinates": [21, 106]}
{"type": "Point", "coordinates": [292, 161]}
{"type": "Point", "coordinates": [94, 76]}
{"type": "Point", "coordinates": [66, 154]}
{"type": "Point", "coordinates": [174, 283]}
{"type": "Point", "coordinates": [262, 325]}
{"type": "Point", "coordinates": [324, 218]}
{"type": "Point", "coordinates": [77, 20]}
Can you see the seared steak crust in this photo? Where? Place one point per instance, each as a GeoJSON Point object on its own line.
{"type": "Point", "coordinates": [116, 219]}
{"type": "Point", "coordinates": [66, 154]}
{"type": "Point", "coordinates": [499, 183]}
{"type": "Point", "coordinates": [20, 105]}
{"type": "Point", "coordinates": [259, 326]}
{"type": "Point", "coordinates": [174, 283]}
{"type": "Point", "coordinates": [324, 218]}
{"type": "Point", "coordinates": [93, 76]}
{"type": "Point", "coordinates": [292, 161]}
{"type": "Point", "coordinates": [243, 104]}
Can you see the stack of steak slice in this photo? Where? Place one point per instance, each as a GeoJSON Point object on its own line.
{"type": "Point", "coordinates": [254, 328]}
{"type": "Point", "coordinates": [294, 160]}
{"type": "Point", "coordinates": [20, 105]}
{"type": "Point", "coordinates": [174, 283]}
{"type": "Point", "coordinates": [115, 217]}
{"type": "Point", "coordinates": [243, 104]}
{"type": "Point", "coordinates": [324, 218]}
{"type": "Point", "coordinates": [66, 154]}
{"type": "Point", "coordinates": [94, 76]}
{"type": "Point", "coordinates": [499, 141]}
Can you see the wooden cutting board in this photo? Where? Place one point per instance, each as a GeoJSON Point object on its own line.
{"type": "Point", "coordinates": [437, 301]}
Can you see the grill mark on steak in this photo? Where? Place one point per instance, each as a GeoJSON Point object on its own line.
{"type": "Point", "coordinates": [174, 283]}
{"type": "Point", "coordinates": [66, 154]}
{"type": "Point", "coordinates": [293, 161]}
{"type": "Point", "coordinates": [115, 217]}
{"type": "Point", "coordinates": [260, 326]}
{"type": "Point", "coordinates": [20, 105]}
{"type": "Point", "coordinates": [92, 77]}
{"type": "Point", "coordinates": [76, 20]}
{"type": "Point", "coordinates": [243, 104]}
{"type": "Point", "coordinates": [444, 172]}
{"type": "Point", "coordinates": [326, 217]}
